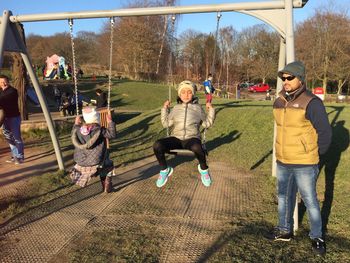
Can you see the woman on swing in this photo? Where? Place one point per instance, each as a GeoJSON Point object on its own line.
{"type": "Point", "coordinates": [185, 119]}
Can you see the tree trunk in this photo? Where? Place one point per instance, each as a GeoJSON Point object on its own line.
{"type": "Point", "coordinates": [340, 86]}
{"type": "Point", "coordinates": [19, 77]}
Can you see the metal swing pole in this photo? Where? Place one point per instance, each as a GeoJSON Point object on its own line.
{"type": "Point", "coordinates": [28, 64]}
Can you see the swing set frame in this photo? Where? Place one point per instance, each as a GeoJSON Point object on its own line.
{"type": "Point", "coordinates": [278, 14]}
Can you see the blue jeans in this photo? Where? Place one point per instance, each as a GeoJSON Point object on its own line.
{"type": "Point", "coordinates": [12, 132]}
{"type": "Point", "coordinates": [290, 180]}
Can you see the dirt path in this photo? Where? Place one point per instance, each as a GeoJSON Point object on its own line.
{"type": "Point", "coordinates": [188, 217]}
{"type": "Point", "coordinates": [13, 178]}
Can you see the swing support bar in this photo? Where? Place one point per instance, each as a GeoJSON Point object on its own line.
{"type": "Point", "coordinates": [164, 10]}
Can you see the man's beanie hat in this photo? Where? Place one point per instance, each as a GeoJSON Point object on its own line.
{"type": "Point", "coordinates": [90, 115]}
{"type": "Point", "coordinates": [296, 69]}
{"type": "Point", "coordinates": [186, 84]}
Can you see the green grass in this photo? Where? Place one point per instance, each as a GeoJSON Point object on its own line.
{"type": "Point", "coordinates": [242, 135]}
{"type": "Point", "coordinates": [39, 190]}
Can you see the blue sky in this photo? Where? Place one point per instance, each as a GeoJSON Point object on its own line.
{"type": "Point", "coordinates": [199, 22]}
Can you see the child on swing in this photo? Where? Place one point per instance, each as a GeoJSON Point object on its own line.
{"type": "Point", "coordinates": [90, 153]}
{"type": "Point", "coordinates": [185, 118]}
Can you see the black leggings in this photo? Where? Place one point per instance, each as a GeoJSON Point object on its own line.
{"type": "Point", "coordinates": [164, 145]}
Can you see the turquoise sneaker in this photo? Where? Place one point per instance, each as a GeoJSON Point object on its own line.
{"type": "Point", "coordinates": [163, 176]}
{"type": "Point", "coordinates": [205, 176]}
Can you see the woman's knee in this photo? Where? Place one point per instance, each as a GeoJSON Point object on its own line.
{"type": "Point", "coordinates": [158, 146]}
{"type": "Point", "coordinates": [197, 148]}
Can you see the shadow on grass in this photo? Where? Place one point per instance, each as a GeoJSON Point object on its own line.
{"type": "Point", "coordinates": [329, 162]}
{"type": "Point", "coordinates": [141, 127]}
{"type": "Point", "coordinates": [246, 242]}
{"type": "Point", "coordinates": [258, 163]}
{"type": "Point", "coordinates": [125, 116]}
{"type": "Point", "coordinates": [238, 104]}
{"type": "Point", "coordinates": [222, 139]}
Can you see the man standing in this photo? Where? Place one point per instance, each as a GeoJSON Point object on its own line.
{"type": "Point", "coordinates": [101, 100]}
{"type": "Point", "coordinates": [209, 88]}
{"type": "Point", "coordinates": [303, 134]}
{"type": "Point", "coordinates": [11, 127]}
{"type": "Point", "coordinates": [58, 95]}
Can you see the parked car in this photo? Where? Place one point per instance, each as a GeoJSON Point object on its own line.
{"type": "Point", "coordinates": [245, 85]}
{"type": "Point", "coordinates": [261, 87]}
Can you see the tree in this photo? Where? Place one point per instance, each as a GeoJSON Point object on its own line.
{"type": "Point", "coordinates": [259, 47]}
{"type": "Point", "coordinates": [192, 56]}
{"type": "Point", "coordinates": [228, 38]}
{"type": "Point", "coordinates": [323, 42]}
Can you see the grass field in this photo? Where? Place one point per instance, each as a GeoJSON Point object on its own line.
{"type": "Point", "coordinates": [242, 136]}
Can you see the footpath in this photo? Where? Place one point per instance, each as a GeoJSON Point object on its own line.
{"type": "Point", "coordinates": [188, 217]}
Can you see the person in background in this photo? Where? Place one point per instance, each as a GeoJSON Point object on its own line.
{"type": "Point", "coordinates": [209, 88]}
{"type": "Point", "coordinates": [11, 126]}
{"type": "Point", "coordinates": [101, 100]}
{"type": "Point", "coordinates": [303, 134]}
{"type": "Point", "coordinates": [72, 104]}
{"type": "Point", "coordinates": [57, 94]}
{"type": "Point", "coordinates": [65, 104]}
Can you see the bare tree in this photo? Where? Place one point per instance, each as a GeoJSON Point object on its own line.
{"type": "Point", "coordinates": [323, 44]}
{"type": "Point", "coordinates": [193, 55]}
{"type": "Point", "coordinates": [228, 36]}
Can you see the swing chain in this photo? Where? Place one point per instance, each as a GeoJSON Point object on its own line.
{"type": "Point", "coordinates": [216, 39]}
{"type": "Point", "coordinates": [70, 21]}
{"type": "Point", "coordinates": [110, 63]}
{"type": "Point", "coordinates": [170, 67]}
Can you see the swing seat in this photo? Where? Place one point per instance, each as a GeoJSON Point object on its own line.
{"type": "Point", "coordinates": [186, 152]}
{"type": "Point", "coordinates": [103, 119]}
{"type": "Point", "coordinates": [183, 152]}
{"type": "Point", "coordinates": [106, 166]}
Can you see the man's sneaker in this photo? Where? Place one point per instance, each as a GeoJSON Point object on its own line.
{"type": "Point", "coordinates": [318, 246]}
{"type": "Point", "coordinates": [12, 160]}
{"type": "Point", "coordinates": [18, 161]}
{"type": "Point", "coordinates": [205, 176]}
{"type": "Point", "coordinates": [163, 176]}
{"type": "Point", "coordinates": [279, 235]}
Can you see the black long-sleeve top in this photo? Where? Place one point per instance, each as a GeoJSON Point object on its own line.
{"type": "Point", "coordinates": [9, 102]}
{"type": "Point", "coordinates": [317, 115]}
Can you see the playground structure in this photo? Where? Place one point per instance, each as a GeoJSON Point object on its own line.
{"type": "Point", "coordinates": [278, 14]}
{"type": "Point", "coordinates": [56, 68]}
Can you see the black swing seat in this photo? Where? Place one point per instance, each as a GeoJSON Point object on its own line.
{"type": "Point", "coordinates": [186, 152]}
{"type": "Point", "coordinates": [183, 152]}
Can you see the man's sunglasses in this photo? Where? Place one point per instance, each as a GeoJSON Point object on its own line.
{"type": "Point", "coordinates": [289, 78]}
